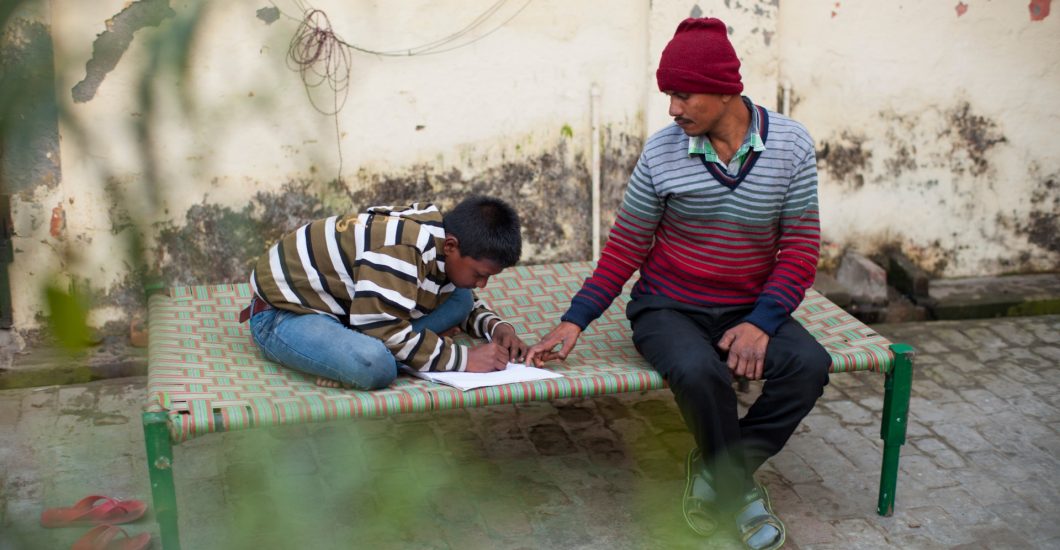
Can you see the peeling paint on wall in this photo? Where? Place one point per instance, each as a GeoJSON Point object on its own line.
{"type": "Point", "coordinates": [269, 14]}
{"type": "Point", "coordinates": [1039, 9]}
{"type": "Point", "coordinates": [111, 44]}
{"type": "Point", "coordinates": [58, 222]}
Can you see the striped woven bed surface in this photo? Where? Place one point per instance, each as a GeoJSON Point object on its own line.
{"type": "Point", "coordinates": [208, 375]}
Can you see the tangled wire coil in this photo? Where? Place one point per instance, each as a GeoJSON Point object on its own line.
{"type": "Point", "coordinates": [320, 58]}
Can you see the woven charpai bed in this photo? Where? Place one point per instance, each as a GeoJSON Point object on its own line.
{"type": "Point", "coordinates": [207, 375]}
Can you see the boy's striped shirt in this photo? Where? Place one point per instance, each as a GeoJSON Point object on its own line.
{"type": "Point", "coordinates": [374, 272]}
{"type": "Point", "coordinates": [701, 236]}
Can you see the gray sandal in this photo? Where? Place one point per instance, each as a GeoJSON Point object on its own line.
{"type": "Point", "coordinates": [700, 501]}
{"type": "Point", "coordinates": [760, 528]}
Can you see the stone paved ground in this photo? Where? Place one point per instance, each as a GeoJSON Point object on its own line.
{"type": "Point", "coordinates": [980, 469]}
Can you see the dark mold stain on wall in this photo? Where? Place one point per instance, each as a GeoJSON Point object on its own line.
{"type": "Point", "coordinates": [959, 141]}
{"type": "Point", "coordinates": [845, 158]}
{"type": "Point", "coordinates": [29, 119]}
{"type": "Point", "coordinates": [219, 244]}
{"type": "Point", "coordinates": [112, 43]}
{"type": "Point", "coordinates": [1041, 226]}
{"type": "Point", "coordinates": [972, 136]}
{"type": "Point", "coordinates": [550, 191]}
{"type": "Point", "coordinates": [621, 152]}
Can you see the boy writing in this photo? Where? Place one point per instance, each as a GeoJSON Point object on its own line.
{"type": "Point", "coordinates": [348, 298]}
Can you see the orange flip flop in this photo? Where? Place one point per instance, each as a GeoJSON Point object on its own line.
{"type": "Point", "coordinates": [103, 537]}
{"type": "Point", "coordinates": [94, 510]}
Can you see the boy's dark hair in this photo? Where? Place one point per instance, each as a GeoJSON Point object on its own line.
{"type": "Point", "coordinates": [487, 229]}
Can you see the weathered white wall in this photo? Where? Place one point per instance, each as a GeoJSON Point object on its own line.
{"type": "Point", "coordinates": [246, 127]}
{"type": "Point", "coordinates": [933, 129]}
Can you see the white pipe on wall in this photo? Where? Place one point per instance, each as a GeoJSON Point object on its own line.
{"type": "Point", "coordinates": [594, 153]}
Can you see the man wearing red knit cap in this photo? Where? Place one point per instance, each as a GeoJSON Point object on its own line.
{"type": "Point", "coordinates": [720, 219]}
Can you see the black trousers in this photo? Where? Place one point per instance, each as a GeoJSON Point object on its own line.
{"type": "Point", "coordinates": [680, 341]}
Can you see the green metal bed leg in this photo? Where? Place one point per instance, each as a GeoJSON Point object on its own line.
{"type": "Point", "coordinates": [897, 387]}
{"type": "Point", "coordinates": [160, 467]}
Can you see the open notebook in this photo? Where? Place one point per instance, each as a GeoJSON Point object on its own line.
{"type": "Point", "coordinates": [515, 372]}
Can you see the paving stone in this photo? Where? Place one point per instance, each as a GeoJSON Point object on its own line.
{"type": "Point", "coordinates": [1049, 352]}
{"type": "Point", "coordinates": [984, 490]}
{"type": "Point", "coordinates": [551, 439]}
{"type": "Point", "coordinates": [1013, 334]}
{"type": "Point", "coordinates": [506, 518]}
{"type": "Point", "coordinates": [923, 472]}
{"type": "Point", "coordinates": [850, 412]}
{"type": "Point", "coordinates": [995, 537]}
{"type": "Point", "coordinates": [983, 400]}
{"type": "Point", "coordinates": [962, 506]}
{"type": "Point", "coordinates": [962, 438]}
{"type": "Point", "coordinates": [810, 530]}
{"type": "Point", "coordinates": [10, 411]}
{"type": "Point", "coordinates": [1041, 490]}
{"type": "Point", "coordinates": [955, 339]}
{"type": "Point", "coordinates": [860, 533]}
{"type": "Point", "coordinates": [1049, 334]}
{"type": "Point", "coordinates": [940, 526]}
{"type": "Point", "coordinates": [931, 391]}
{"type": "Point", "coordinates": [1024, 518]}
{"type": "Point", "coordinates": [793, 468]}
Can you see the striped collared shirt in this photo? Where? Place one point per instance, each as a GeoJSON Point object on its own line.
{"type": "Point", "coordinates": [700, 145]}
{"type": "Point", "coordinates": [375, 272]}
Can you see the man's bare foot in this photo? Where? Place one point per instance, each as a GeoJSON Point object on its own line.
{"type": "Point", "coordinates": [329, 383]}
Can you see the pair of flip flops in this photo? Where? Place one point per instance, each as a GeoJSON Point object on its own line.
{"type": "Point", "coordinates": [103, 513]}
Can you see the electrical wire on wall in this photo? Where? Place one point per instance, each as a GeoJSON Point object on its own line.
{"type": "Point", "coordinates": [322, 58]}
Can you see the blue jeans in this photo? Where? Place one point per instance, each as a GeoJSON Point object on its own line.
{"type": "Point", "coordinates": [322, 346]}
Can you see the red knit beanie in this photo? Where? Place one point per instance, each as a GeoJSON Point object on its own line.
{"type": "Point", "coordinates": [700, 60]}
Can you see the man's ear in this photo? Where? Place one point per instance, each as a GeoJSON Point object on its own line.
{"type": "Point", "coordinates": [451, 246]}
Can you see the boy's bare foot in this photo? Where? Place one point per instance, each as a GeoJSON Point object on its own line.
{"type": "Point", "coordinates": [329, 383]}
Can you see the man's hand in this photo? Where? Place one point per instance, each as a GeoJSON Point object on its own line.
{"type": "Point", "coordinates": [505, 337]}
{"type": "Point", "coordinates": [746, 345]}
{"type": "Point", "coordinates": [565, 334]}
{"type": "Point", "coordinates": [487, 358]}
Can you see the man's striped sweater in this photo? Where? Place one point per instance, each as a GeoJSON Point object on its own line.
{"type": "Point", "coordinates": [703, 237]}
{"type": "Point", "coordinates": [374, 272]}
